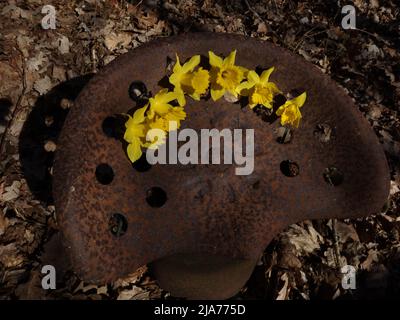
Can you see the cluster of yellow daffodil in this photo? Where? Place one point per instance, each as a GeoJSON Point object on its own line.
{"type": "Point", "coordinates": [223, 78]}
{"type": "Point", "coordinates": [156, 114]}
{"type": "Point", "coordinates": [238, 81]}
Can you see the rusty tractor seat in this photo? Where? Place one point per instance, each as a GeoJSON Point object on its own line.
{"type": "Point", "coordinates": [201, 227]}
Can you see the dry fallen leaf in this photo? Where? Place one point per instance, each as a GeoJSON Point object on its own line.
{"type": "Point", "coordinates": [113, 40]}
{"type": "Point", "coordinates": [11, 192]}
{"type": "Point", "coordinates": [394, 187]}
{"type": "Point", "coordinates": [346, 231]}
{"type": "Point", "coordinates": [262, 28]}
{"type": "Point", "coordinates": [284, 292]}
{"type": "Point", "coordinates": [102, 290]}
{"type": "Point", "coordinates": [34, 63]}
{"type": "Point", "coordinates": [135, 293]}
{"type": "Point", "coordinates": [130, 279]}
{"type": "Point", "coordinates": [42, 85]}
{"type": "Point", "coordinates": [59, 73]}
{"type": "Point", "coordinates": [305, 241]}
{"type": "Point", "coordinates": [10, 256]}
{"type": "Point", "coordinates": [372, 257]}
{"type": "Point", "coordinates": [62, 44]}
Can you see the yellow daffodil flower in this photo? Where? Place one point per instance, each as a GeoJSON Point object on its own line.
{"type": "Point", "coordinates": [225, 76]}
{"type": "Point", "coordinates": [160, 104]}
{"type": "Point", "coordinates": [168, 122]}
{"type": "Point", "coordinates": [258, 88]}
{"type": "Point", "coordinates": [175, 116]}
{"type": "Point", "coordinates": [161, 111]}
{"type": "Point", "coordinates": [135, 132]}
{"type": "Point", "coordinates": [290, 111]}
{"type": "Point", "coordinates": [186, 80]}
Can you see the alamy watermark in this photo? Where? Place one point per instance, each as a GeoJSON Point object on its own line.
{"type": "Point", "coordinates": [349, 20]}
{"type": "Point", "coordinates": [238, 147]}
{"type": "Point", "coordinates": [49, 278]}
{"type": "Point", "coordinates": [349, 277]}
{"type": "Point", "coordinates": [49, 20]}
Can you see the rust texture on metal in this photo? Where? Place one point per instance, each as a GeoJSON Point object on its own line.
{"type": "Point", "coordinates": [209, 210]}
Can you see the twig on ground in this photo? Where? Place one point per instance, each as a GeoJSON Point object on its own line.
{"type": "Point", "coordinates": [336, 245]}
{"type": "Point", "coordinates": [18, 104]}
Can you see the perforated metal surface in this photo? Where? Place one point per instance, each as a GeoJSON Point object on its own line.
{"type": "Point", "coordinates": [209, 210]}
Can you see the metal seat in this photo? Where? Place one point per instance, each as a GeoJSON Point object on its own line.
{"type": "Point", "coordinates": [211, 227]}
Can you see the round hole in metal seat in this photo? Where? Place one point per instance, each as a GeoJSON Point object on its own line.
{"type": "Point", "coordinates": [156, 197]}
{"type": "Point", "coordinates": [290, 168]}
{"type": "Point", "coordinates": [104, 173]}
{"type": "Point", "coordinates": [118, 225]}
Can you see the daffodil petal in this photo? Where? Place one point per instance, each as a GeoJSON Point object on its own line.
{"type": "Point", "coordinates": [138, 116]}
{"type": "Point", "coordinates": [241, 88]}
{"type": "Point", "coordinates": [134, 150]}
{"type": "Point", "coordinates": [129, 122]}
{"type": "Point", "coordinates": [150, 114]}
{"type": "Point", "coordinates": [217, 94]}
{"type": "Point", "coordinates": [191, 64]}
{"type": "Point", "coordinates": [165, 96]}
{"type": "Point", "coordinates": [174, 79]}
{"type": "Point", "coordinates": [133, 132]}
{"type": "Point", "coordinates": [129, 135]}
{"type": "Point", "coordinates": [195, 96]}
{"type": "Point", "coordinates": [300, 100]}
{"type": "Point", "coordinates": [181, 98]}
{"type": "Point", "coordinates": [177, 67]}
{"type": "Point", "coordinates": [253, 77]}
{"type": "Point", "coordinates": [215, 61]}
{"type": "Point", "coordinates": [244, 70]}
{"type": "Point", "coordinates": [266, 74]}
{"type": "Point", "coordinates": [230, 59]}
{"type": "Point", "coordinates": [274, 88]}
